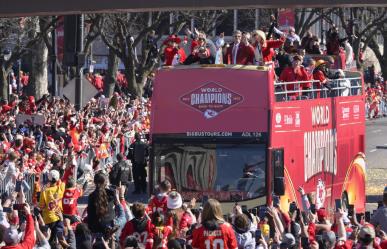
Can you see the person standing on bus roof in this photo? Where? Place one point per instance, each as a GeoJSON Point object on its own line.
{"type": "Point", "coordinates": [264, 49]}
{"type": "Point", "coordinates": [319, 74]}
{"type": "Point", "coordinates": [294, 74]}
{"type": "Point", "coordinates": [172, 51]}
{"type": "Point", "coordinates": [239, 52]}
{"type": "Point", "coordinates": [138, 153]}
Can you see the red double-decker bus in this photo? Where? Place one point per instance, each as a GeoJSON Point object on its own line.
{"type": "Point", "coordinates": [234, 134]}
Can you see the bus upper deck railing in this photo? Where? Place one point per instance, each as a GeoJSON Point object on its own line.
{"type": "Point", "coordinates": [333, 88]}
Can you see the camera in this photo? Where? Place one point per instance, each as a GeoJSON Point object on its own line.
{"type": "Point", "coordinates": [202, 49]}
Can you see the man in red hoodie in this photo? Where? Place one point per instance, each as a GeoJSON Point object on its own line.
{"type": "Point", "coordinates": [11, 236]}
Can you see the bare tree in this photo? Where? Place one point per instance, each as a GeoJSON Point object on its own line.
{"type": "Point", "coordinates": [362, 26]}
{"type": "Point", "coordinates": [380, 54]}
{"type": "Point", "coordinates": [124, 33]}
{"type": "Point", "coordinates": [20, 37]}
{"type": "Point", "coordinates": [305, 18]}
{"type": "Point", "coordinates": [206, 20]}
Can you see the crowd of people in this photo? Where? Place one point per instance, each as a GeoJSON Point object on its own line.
{"type": "Point", "coordinates": [49, 162]}
{"type": "Point", "coordinates": [376, 99]}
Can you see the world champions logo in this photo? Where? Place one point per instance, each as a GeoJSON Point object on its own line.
{"type": "Point", "coordinates": [211, 99]}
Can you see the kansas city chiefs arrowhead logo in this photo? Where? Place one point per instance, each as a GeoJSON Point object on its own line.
{"type": "Point", "coordinates": [211, 99]}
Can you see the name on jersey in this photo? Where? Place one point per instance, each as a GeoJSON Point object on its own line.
{"type": "Point", "coordinates": [214, 233]}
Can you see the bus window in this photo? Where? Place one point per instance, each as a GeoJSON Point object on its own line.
{"type": "Point", "coordinates": [221, 171]}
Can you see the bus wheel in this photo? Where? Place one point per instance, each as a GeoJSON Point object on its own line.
{"type": "Point", "coordinates": [344, 201]}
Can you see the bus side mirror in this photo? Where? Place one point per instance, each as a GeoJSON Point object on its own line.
{"type": "Point", "coordinates": [277, 158]}
{"type": "Point", "coordinates": [279, 186]}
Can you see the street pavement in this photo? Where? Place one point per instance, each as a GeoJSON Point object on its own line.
{"type": "Point", "coordinates": [376, 159]}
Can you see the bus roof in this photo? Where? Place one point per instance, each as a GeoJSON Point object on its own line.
{"type": "Point", "coordinates": [211, 99]}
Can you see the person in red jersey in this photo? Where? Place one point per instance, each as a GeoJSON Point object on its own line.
{"type": "Point", "coordinates": [214, 232]}
{"type": "Point", "coordinates": [159, 201]}
{"type": "Point", "coordinates": [161, 231]}
{"type": "Point", "coordinates": [140, 227]}
{"type": "Point", "coordinates": [70, 200]}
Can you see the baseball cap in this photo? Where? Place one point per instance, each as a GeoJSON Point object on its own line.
{"type": "Point", "coordinates": [11, 236]}
{"type": "Point", "coordinates": [321, 214]}
{"type": "Point", "coordinates": [288, 240]}
{"type": "Point", "coordinates": [174, 200]}
{"type": "Point", "coordinates": [54, 175]}
{"type": "Point", "coordinates": [367, 231]}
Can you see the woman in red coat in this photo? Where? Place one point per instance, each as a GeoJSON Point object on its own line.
{"type": "Point", "coordinates": [264, 49]}
{"type": "Point", "coordinates": [172, 51]}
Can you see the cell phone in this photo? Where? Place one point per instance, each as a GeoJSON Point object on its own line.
{"type": "Point", "coordinates": [359, 217]}
{"type": "Point", "coordinates": [258, 234]}
{"type": "Point", "coordinates": [18, 186]}
{"type": "Point", "coordinates": [262, 212]}
{"type": "Point", "coordinates": [313, 208]}
{"type": "Point", "coordinates": [7, 209]}
{"type": "Point", "coordinates": [351, 210]}
{"type": "Point", "coordinates": [367, 216]}
{"type": "Point", "coordinates": [204, 200]}
{"type": "Point", "coordinates": [292, 207]}
{"type": "Point", "coordinates": [254, 211]}
{"type": "Point", "coordinates": [244, 208]}
{"type": "Point", "coordinates": [59, 234]}
{"type": "Point", "coordinates": [36, 212]}
{"type": "Point", "coordinates": [338, 204]}
{"type": "Point", "coordinates": [18, 207]}
{"type": "Point", "coordinates": [276, 201]}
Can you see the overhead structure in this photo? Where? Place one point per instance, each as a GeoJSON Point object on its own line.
{"type": "Point", "coordinates": [50, 7]}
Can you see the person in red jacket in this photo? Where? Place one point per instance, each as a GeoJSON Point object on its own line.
{"type": "Point", "coordinates": [264, 49]}
{"type": "Point", "coordinates": [293, 74]}
{"type": "Point", "coordinates": [140, 227]}
{"type": "Point", "coordinates": [172, 52]}
{"type": "Point", "coordinates": [239, 52]}
{"type": "Point", "coordinates": [11, 235]}
{"type": "Point", "coordinates": [213, 232]}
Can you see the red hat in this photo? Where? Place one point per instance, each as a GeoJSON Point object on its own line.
{"type": "Point", "coordinates": [31, 99]}
{"type": "Point", "coordinates": [172, 38]}
{"type": "Point", "coordinates": [321, 214]}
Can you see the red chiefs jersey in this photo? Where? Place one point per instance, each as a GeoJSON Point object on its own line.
{"type": "Point", "coordinates": [222, 238]}
{"type": "Point", "coordinates": [158, 204]}
{"type": "Point", "coordinates": [163, 233]}
{"type": "Point", "coordinates": [143, 237]}
{"type": "Point", "coordinates": [70, 201]}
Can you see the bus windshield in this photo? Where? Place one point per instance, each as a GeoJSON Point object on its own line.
{"type": "Point", "coordinates": [227, 172]}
